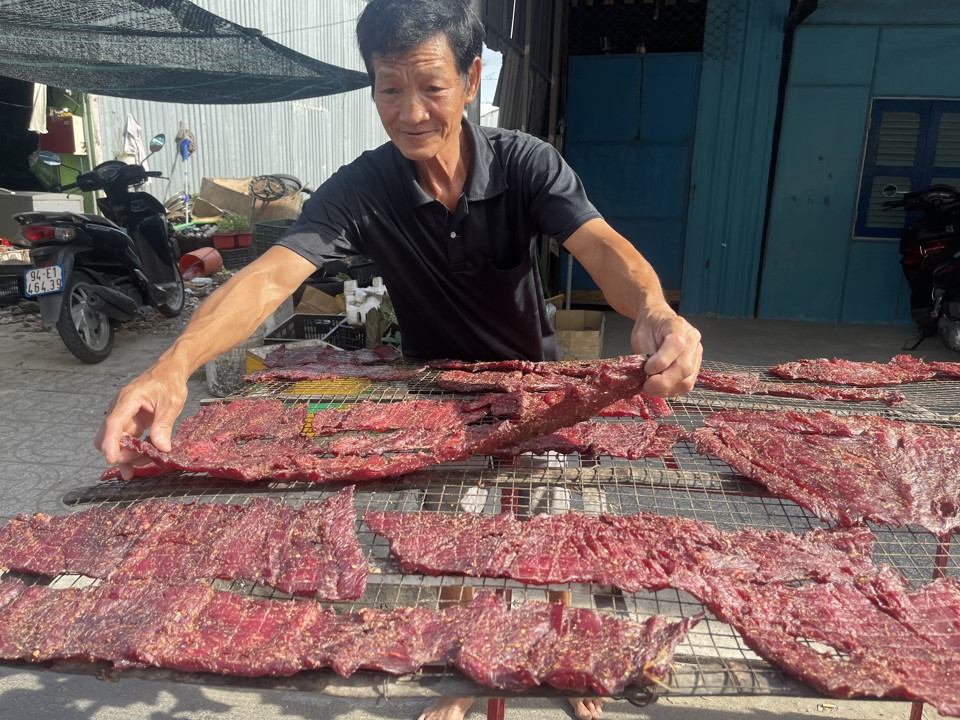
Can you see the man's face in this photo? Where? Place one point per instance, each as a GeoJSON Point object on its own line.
{"type": "Point", "coordinates": [420, 97]}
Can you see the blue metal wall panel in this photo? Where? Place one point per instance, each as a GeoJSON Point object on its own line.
{"type": "Point", "coordinates": [732, 154]}
{"type": "Point", "coordinates": [847, 54]}
{"type": "Point", "coordinates": [630, 121]}
{"type": "Point", "coordinates": [834, 56]}
{"type": "Point", "coordinates": [897, 13]}
{"type": "Point", "coordinates": [923, 61]}
{"type": "Point", "coordinates": [810, 218]}
{"type": "Point", "coordinates": [603, 99]}
{"type": "Point", "coordinates": [874, 294]}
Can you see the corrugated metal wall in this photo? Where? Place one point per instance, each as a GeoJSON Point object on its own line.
{"type": "Point", "coordinates": [308, 138]}
{"type": "Point", "coordinates": [732, 154]}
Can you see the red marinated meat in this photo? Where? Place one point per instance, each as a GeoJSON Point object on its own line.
{"type": "Point", "coordinates": [641, 405]}
{"type": "Point", "coordinates": [777, 589]}
{"type": "Point", "coordinates": [285, 356]}
{"type": "Point", "coordinates": [235, 453]}
{"type": "Point", "coordinates": [901, 369]}
{"type": "Point", "coordinates": [638, 552]}
{"type": "Point", "coordinates": [947, 368]}
{"type": "Point", "coordinates": [608, 381]}
{"type": "Point", "coordinates": [873, 650]}
{"type": "Point", "coordinates": [248, 419]}
{"type": "Point", "coordinates": [632, 440]}
{"type": "Point", "coordinates": [497, 381]}
{"type": "Point", "coordinates": [308, 551]}
{"type": "Point", "coordinates": [191, 627]}
{"type": "Point", "coordinates": [90, 543]}
{"type": "Point", "coordinates": [403, 415]}
{"type": "Point", "coordinates": [576, 650]}
{"type": "Point", "coordinates": [845, 469]}
{"type": "Point", "coordinates": [332, 371]}
{"type": "Point", "coordinates": [752, 384]}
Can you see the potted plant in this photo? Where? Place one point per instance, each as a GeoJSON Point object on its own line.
{"type": "Point", "coordinates": [232, 231]}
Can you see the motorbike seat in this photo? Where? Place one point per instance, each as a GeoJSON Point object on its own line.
{"type": "Point", "coordinates": [98, 220]}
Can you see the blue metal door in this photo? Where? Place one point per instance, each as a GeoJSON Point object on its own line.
{"type": "Point", "coordinates": [630, 123]}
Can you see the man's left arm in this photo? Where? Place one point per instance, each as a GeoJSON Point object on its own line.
{"type": "Point", "coordinates": [632, 288]}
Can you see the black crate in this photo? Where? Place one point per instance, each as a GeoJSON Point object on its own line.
{"type": "Point", "coordinates": [238, 258]}
{"type": "Point", "coordinates": [11, 282]}
{"type": "Point", "coordinates": [265, 234]}
{"type": "Point", "coordinates": [363, 270]}
{"type": "Point", "coordinates": [329, 328]}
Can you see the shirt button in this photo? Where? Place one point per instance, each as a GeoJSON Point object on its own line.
{"type": "Point", "coordinates": [453, 234]}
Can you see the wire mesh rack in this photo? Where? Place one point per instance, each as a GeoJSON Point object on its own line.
{"type": "Point", "coordinates": [713, 660]}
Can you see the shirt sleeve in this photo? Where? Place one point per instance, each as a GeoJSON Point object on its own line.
{"type": "Point", "coordinates": [327, 228]}
{"type": "Point", "coordinates": [558, 200]}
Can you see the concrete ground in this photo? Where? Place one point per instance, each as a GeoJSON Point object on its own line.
{"type": "Point", "coordinates": [51, 406]}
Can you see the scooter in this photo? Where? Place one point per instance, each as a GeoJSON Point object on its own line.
{"type": "Point", "coordinates": [930, 259]}
{"type": "Point", "coordinates": [92, 272]}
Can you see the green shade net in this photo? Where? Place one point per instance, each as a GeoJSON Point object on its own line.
{"type": "Point", "coordinates": [161, 50]}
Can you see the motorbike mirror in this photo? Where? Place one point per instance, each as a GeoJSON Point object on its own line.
{"type": "Point", "coordinates": [157, 142]}
{"type": "Point", "coordinates": [49, 158]}
{"type": "Point", "coordinates": [890, 190]}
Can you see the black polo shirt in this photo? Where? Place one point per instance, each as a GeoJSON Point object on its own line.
{"type": "Point", "coordinates": [464, 285]}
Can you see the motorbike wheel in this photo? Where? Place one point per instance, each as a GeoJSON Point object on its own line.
{"type": "Point", "coordinates": [949, 330]}
{"type": "Point", "coordinates": [175, 306]}
{"type": "Point", "coordinates": [87, 333]}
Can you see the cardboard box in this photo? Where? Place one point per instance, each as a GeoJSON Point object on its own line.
{"type": "Point", "coordinates": [579, 334]}
{"type": "Point", "coordinates": [233, 195]}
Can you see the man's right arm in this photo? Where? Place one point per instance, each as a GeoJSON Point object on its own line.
{"type": "Point", "coordinates": [229, 316]}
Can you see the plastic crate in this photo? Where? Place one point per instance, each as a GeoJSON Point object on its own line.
{"type": "Point", "coordinates": [11, 282]}
{"type": "Point", "coordinates": [329, 328]}
{"type": "Point", "coordinates": [236, 259]}
{"type": "Point", "coordinates": [267, 233]}
{"type": "Point", "coordinates": [363, 270]}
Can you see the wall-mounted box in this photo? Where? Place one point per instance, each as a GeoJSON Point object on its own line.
{"type": "Point", "coordinates": [64, 135]}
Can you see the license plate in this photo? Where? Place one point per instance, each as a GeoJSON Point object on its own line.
{"type": "Point", "coordinates": [43, 280]}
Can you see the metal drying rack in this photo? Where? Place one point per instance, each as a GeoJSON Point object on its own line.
{"type": "Point", "coordinates": [712, 660]}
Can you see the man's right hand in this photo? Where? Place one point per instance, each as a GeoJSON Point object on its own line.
{"type": "Point", "coordinates": [151, 402]}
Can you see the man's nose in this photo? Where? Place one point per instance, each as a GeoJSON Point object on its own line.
{"type": "Point", "coordinates": [414, 109]}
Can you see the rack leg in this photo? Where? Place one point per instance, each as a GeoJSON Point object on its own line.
{"type": "Point", "coordinates": [916, 711]}
{"type": "Point", "coordinates": [496, 708]}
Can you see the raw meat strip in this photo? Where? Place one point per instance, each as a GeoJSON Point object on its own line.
{"type": "Point", "coordinates": [632, 440]}
{"type": "Point", "coordinates": [238, 456]}
{"type": "Point", "coordinates": [569, 649]}
{"type": "Point", "coordinates": [332, 371]}
{"type": "Point", "coordinates": [191, 627]}
{"type": "Point", "coordinates": [641, 405]}
{"type": "Point", "coordinates": [310, 551]}
{"type": "Point", "coordinates": [872, 652]}
{"type": "Point", "coordinates": [637, 552]}
{"type": "Point", "coordinates": [90, 543]}
{"type": "Point", "coordinates": [947, 368]}
{"type": "Point", "coordinates": [777, 589]}
{"type": "Point", "coordinates": [752, 384]}
{"type": "Point", "coordinates": [901, 369]}
{"type": "Point", "coordinates": [845, 469]}
{"type": "Point", "coordinates": [285, 356]}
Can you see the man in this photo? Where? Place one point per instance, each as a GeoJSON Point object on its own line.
{"type": "Point", "coordinates": [449, 212]}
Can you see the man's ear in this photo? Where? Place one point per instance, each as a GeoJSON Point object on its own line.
{"type": "Point", "coordinates": [473, 80]}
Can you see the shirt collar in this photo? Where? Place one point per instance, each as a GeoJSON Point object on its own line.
{"type": "Point", "coordinates": [485, 179]}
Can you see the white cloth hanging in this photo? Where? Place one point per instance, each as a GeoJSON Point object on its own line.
{"type": "Point", "coordinates": [133, 148]}
{"type": "Point", "coordinates": [38, 116]}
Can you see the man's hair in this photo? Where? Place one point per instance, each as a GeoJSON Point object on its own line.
{"type": "Point", "coordinates": [394, 27]}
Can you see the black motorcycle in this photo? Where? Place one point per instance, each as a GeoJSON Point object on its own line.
{"type": "Point", "coordinates": [91, 272]}
{"type": "Point", "coordinates": [930, 259]}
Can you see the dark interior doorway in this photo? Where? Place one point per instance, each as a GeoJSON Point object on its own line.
{"type": "Point", "coordinates": [16, 141]}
